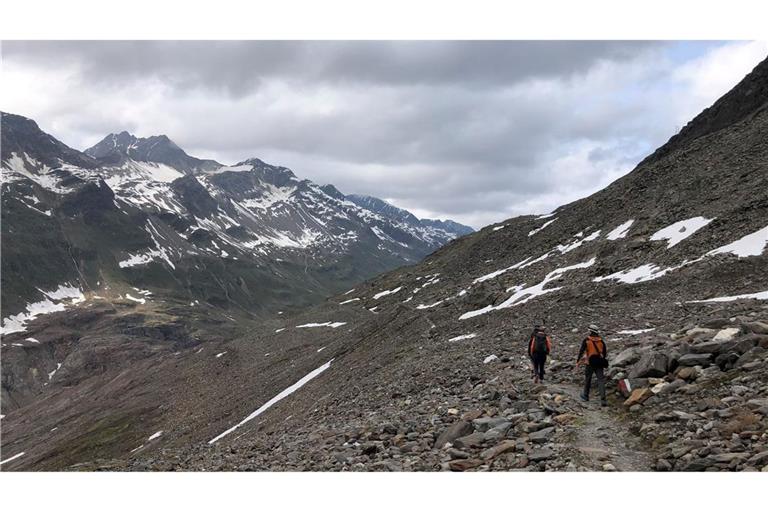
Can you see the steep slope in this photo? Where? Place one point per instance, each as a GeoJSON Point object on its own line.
{"type": "Point", "coordinates": [424, 367]}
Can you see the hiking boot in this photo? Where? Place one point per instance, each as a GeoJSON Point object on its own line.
{"type": "Point", "coordinates": [535, 380]}
{"type": "Point", "coordinates": [584, 397]}
{"type": "Point", "coordinates": [603, 403]}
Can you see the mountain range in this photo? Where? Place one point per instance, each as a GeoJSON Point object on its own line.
{"type": "Point", "coordinates": [249, 239]}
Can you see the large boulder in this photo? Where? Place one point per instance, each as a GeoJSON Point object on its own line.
{"type": "Point", "coordinates": [651, 364]}
{"type": "Point", "coordinates": [626, 357]}
{"type": "Point", "coordinates": [486, 424]}
{"type": "Point", "coordinates": [695, 360]}
{"type": "Point", "coordinates": [755, 327]}
{"type": "Point", "coordinates": [455, 431]}
{"type": "Point", "coordinates": [638, 396]}
{"type": "Point", "coordinates": [470, 441]}
{"type": "Point", "coordinates": [726, 334]}
{"type": "Point", "coordinates": [753, 354]}
{"type": "Point", "coordinates": [712, 347]}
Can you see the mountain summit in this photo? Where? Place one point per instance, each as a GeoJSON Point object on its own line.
{"type": "Point", "coordinates": [117, 147]}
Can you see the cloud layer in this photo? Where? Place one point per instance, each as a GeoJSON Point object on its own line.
{"type": "Point", "coordinates": [474, 131]}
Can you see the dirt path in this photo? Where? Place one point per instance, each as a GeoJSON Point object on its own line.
{"type": "Point", "coordinates": [600, 439]}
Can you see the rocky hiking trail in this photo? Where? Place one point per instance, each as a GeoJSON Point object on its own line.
{"type": "Point", "coordinates": [602, 439]}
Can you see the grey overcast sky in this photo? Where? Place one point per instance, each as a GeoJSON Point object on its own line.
{"type": "Point", "coordinates": [472, 131]}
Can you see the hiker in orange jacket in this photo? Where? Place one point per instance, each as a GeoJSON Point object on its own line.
{"type": "Point", "coordinates": [539, 347]}
{"type": "Point", "coordinates": [593, 354]}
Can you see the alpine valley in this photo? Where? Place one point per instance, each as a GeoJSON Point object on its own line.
{"type": "Point", "coordinates": [163, 312]}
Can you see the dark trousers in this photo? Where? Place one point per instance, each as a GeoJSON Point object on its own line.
{"type": "Point", "coordinates": [588, 381]}
{"type": "Point", "coordinates": [538, 364]}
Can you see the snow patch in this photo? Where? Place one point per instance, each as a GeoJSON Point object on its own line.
{"type": "Point", "coordinates": [135, 299]}
{"type": "Point", "coordinates": [758, 296]}
{"type": "Point", "coordinates": [284, 393]}
{"type": "Point", "coordinates": [632, 332]}
{"type": "Point", "coordinates": [533, 232]}
{"type": "Point", "coordinates": [155, 435]}
{"type": "Point", "coordinates": [750, 245]}
{"type": "Point", "coordinates": [640, 274]}
{"type": "Point", "coordinates": [56, 300]}
{"type": "Point", "coordinates": [521, 294]}
{"type": "Point", "coordinates": [464, 337]}
{"type": "Point", "coordinates": [12, 458]}
{"type": "Point", "coordinates": [490, 358]}
{"type": "Point", "coordinates": [51, 374]}
{"type": "Point", "coordinates": [679, 231]}
{"type": "Point", "coordinates": [621, 231]}
{"type": "Point", "coordinates": [348, 301]}
{"type": "Point", "coordinates": [387, 292]}
{"type": "Point", "coordinates": [324, 324]}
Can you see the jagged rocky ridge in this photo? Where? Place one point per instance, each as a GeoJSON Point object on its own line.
{"type": "Point", "coordinates": [423, 368]}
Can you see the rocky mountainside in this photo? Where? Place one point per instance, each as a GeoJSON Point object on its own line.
{"type": "Point", "coordinates": [251, 238]}
{"type": "Point", "coordinates": [424, 367]}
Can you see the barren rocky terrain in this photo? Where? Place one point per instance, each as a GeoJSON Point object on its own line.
{"type": "Point", "coordinates": [424, 368]}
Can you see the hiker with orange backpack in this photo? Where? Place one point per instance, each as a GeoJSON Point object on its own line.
{"type": "Point", "coordinates": [593, 354]}
{"type": "Point", "coordinates": [539, 347]}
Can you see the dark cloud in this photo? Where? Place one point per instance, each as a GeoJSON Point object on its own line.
{"type": "Point", "coordinates": [477, 131]}
{"type": "Point", "coordinates": [240, 66]}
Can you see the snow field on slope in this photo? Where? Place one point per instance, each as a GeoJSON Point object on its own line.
{"type": "Point", "coordinates": [56, 300]}
{"type": "Point", "coordinates": [522, 294]}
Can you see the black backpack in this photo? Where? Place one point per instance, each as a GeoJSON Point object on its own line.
{"type": "Point", "coordinates": [540, 344]}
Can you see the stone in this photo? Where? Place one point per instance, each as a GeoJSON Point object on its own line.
{"type": "Point", "coordinates": [727, 458]}
{"type": "Point", "coordinates": [541, 436]}
{"type": "Point", "coordinates": [464, 464]}
{"type": "Point", "coordinates": [681, 415]}
{"type": "Point", "coordinates": [485, 424]}
{"type": "Point", "coordinates": [758, 403]}
{"type": "Point", "coordinates": [540, 454]}
{"type": "Point", "coordinates": [651, 364]}
{"type": "Point", "coordinates": [755, 327]}
{"type": "Point", "coordinates": [759, 459]}
{"type": "Point", "coordinates": [726, 334]}
{"type": "Point", "coordinates": [455, 431]}
{"type": "Point", "coordinates": [453, 453]}
{"type": "Point", "coordinates": [609, 467]}
{"type": "Point", "coordinates": [472, 415]}
{"type": "Point", "coordinates": [715, 323]}
{"type": "Point", "coordinates": [752, 355]}
{"type": "Point", "coordinates": [700, 332]}
{"type": "Point", "coordinates": [626, 357]}
{"type": "Point", "coordinates": [564, 418]}
{"type": "Point", "coordinates": [452, 411]}
{"type": "Point", "coordinates": [663, 465]}
{"type": "Point", "coordinates": [712, 347]}
{"type": "Point", "coordinates": [726, 361]}
{"type": "Point", "coordinates": [470, 441]}
{"type": "Point", "coordinates": [638, 396]}
{"type": "Point", "coordinates": [687, 373]}
{"type": "Point", "coordinates": [695, 360]}
{"type": "Point", "coordinates": [746, 343]}
{"type": "Point", "coordinates": [497, 433]}
{"type": "Point", "coordinates": [503, 447]}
